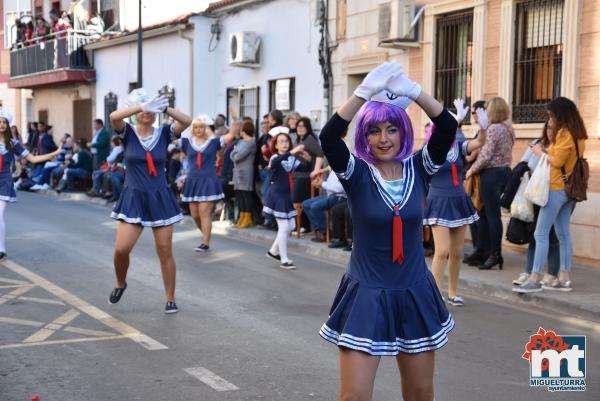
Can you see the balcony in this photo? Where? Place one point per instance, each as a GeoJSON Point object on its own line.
{"type": "Point", "coordinates": [55, 59]}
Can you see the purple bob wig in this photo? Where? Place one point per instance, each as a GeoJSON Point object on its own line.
{"type": "Point", "coordinates": [372, 114]}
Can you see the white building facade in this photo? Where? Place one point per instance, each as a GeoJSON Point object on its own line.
{"type": "Point", "coordinates": [288, 75]}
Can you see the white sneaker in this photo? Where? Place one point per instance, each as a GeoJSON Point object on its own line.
{"type": "Point", "coordinates": [522, 278]}
{"type": "Point", "coordinates": [36, 187]}
{"type": "Point", "coordinates": [46, 187]}
{"type": "Point", "coordinates": [548, 279]}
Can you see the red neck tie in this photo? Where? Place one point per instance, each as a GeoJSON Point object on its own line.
{"type": "Point", "coordinates": [397, 243]}
{"type": "Point", "coordinates": [199, 160]}
{"type": "Point", "coordinates": [291, 182]}
{"type": "Point", "coordinates": [454, 174]}
{"type": "Point", "coordinates": [1, 160]}
{"type": "Point", "coordinates": [150, 162]}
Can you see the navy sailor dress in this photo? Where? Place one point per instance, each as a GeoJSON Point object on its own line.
{"type": "Point", "coordinates": [278, 201]}
{"type": "Point", "coordinates": [387, 302]}
{"type": "Point", "coordinates": [7, 157]}
{"type": "Point", "coordinates": [146, 198]}
{"type": "Point", "coordinates": [201, 181]}
{"type": "Point", "coordinates": [448, 204]}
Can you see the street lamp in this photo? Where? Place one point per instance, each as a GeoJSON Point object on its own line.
{"type": "Point", "coordinates": [139, 46]}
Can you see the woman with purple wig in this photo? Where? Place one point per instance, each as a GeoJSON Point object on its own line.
{"type": "Point", "coordinates": [388, 302]}
{"type": "Point", "coordinates": [449, 209]}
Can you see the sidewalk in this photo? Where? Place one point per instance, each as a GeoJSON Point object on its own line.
{"type": "Point", "coordinates": [583, 301]}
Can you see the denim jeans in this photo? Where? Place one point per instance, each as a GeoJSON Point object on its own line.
{"type": "Point", "coordinates": [315, 209]}
{"type": "Point", "coordinates": [557, 212]}
{"type": "Point", "coordinates": [489, 226]}
{"type": "Point", "coordinates": [97, 180]}
{"type": "Point", "coordinates": [553, 249]}
{"type": "Point", "coordinates": [117, 179]}
{"type": "Point", "coordinates": [73, 173]}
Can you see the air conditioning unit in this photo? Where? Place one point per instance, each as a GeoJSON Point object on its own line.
{"type": "Point", "coordinates": [398, 23]}
{"type": "Point", "coordinates": [244, 49]}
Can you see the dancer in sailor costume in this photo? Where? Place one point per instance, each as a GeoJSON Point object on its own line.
{"type": "Point", "coordinates": [202, 187]}
{"type": "Point", "coordinates": [9, 150]}
{"type": "Point", "coordinates": [387, 302]}
{"type": "Point", "coordinates": [146, 200]}
{"type": "Point", "coordinates": [449, 209]}
{"type": "Point", "coordinates": [278, 201]}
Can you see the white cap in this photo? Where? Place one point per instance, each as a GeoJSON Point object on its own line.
{"type": "Point", "coordinates": [206, 119]}
{"type": "Point", "coordinates": [137, 97]}
{"type": "Point", "coordinates": [6, 115]}
{"type": "Point", "coordinates": [388, 97]}
{"type": "Point", "coordinates": [279, 130]}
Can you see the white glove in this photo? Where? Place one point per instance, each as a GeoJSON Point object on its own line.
{"type": "Point", "coordinates": [377, 80]}
{"type": "Point", "coordinates": [461, 110]}
{"type": "Point", "coordinates": [482, 118]}
{"type": "Point", "coordinates": [400, 85]}
{"type": "Point", "coordinates": [156, 105]}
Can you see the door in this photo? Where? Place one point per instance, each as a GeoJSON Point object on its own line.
{"type": "Point", "coordinates": [82, 119]}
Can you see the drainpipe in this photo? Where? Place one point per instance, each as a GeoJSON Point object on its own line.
{"type": "Point", "coordinates": [191, 42]}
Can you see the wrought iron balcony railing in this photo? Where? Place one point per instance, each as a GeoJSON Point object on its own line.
{"type": "Point", "coordinates": [58, 50]}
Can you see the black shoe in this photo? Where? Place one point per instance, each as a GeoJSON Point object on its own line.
{"type": "Point", "coordinates": [348, 248]}
{"type": "Point", "coordinates": [171, 307]}
{"type": "Point", "coordinates": [338, 244]}
{"type": "Point", "coordinates": [273, 256]}
{"type": "Point", "coordinates": [202, 248]}
{"type": "Point", "coordinates": [493, 260]}
{"type": "Point", "coordinates": [2, 256]}
{"type": "Point", "coordinates": [62, 185]}
{"type": "Point", "coordinates": [475, 258]}
{"type": "Point", "coordinates": [116, 294]}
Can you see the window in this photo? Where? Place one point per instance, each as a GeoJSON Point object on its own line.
{"type": "Point", "coordinates": [111, 102]}
{"type": "Point", "coordinates": [244, 101]}
{"type": "Point", "coordinates": [454, 58]}
{"type": "Point", "coordinates": [282, 94]}
{"type": "Point", "coordinates": [340, 19]}
{"type": "Point", "coordinates": [538, 58]}
{"type": "Point", "coordinates": [109, 11]}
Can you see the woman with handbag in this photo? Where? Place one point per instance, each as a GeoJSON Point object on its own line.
{"type": "Point", "coordinates": [567, 146]}
{"type": "Point", "coordinates": [553, 251]}
{"type": "Point", "coordinates": [493, 165]}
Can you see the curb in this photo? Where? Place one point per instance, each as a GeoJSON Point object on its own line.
{"type": "Point", "coordinates": [500, 292]}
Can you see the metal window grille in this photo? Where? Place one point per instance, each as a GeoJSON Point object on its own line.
{"type": "Point", "coordinates": [245, 101]}
{"type": "Point", "coordinates": [454, 58]}
{"type": "Point", "coordinates": [249, 103]}
{"type": "Point", "coordinates": [111, 101]}
{"type": "Point", "coordinates": [292, 94]}
{"type": "Point", "coordinates": [538, 58]}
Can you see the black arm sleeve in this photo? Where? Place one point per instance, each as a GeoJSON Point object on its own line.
{"type": "Point", "coordinates": [333, 145]}
{"type": "Point", "coordinates": [442, 137]}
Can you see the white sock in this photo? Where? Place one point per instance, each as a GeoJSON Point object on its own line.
{"type": "Point", "coordinates": [2, 227]}
{"type": "Point", "coordinates": [284, 227]}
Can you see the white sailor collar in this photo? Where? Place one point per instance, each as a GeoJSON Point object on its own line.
{"type": "Point", "coordinates": [408, 177]}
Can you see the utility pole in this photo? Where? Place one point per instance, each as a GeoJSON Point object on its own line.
{"type": "Point", "coordinates": [139, 45]}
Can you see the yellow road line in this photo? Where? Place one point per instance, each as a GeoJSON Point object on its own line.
{"type": "Point", "coordinates": [53, 327]}
{"type": "Point", "coordinates": [16, 293]}
{"type": "Point", "coordinates": [98, 314]}
{"type": "Point", "coordinates": [74, 340]}
{"type": "Point", "coordinates": [95, 333]}
{"type": "Point", "coordinates": [21, 322]}
{"type": "Point", "coordinates": [41, 300]}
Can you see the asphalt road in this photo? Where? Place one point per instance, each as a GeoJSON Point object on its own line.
{"type": "Point", "coordinates": [246, 330]}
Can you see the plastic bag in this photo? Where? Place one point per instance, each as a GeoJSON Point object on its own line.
{"type": "Point", "coordinates": [539, 184]}
{"type": "Point", "coordinates": [521, 208]}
